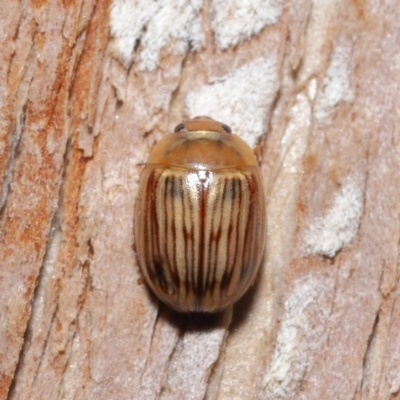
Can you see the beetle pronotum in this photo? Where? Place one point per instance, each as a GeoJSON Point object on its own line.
{"type": "Point", "coordinates": [200, 217]}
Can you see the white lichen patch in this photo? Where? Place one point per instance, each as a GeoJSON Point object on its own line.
{"type": "Point", "coordinates": [300, 336]}
{"type": "Point", "coordinates": [158, 25]}
{"type": "Point", "coordinates": [294, 141]}
{"type": "Point", "coordinates": [336, 83]}
{"type": "Point", "coordinates": [318, 33]}
{"type": "Point", "coordinates": [236, 20]}
{"type": "Point", "coordinates": [240, 99]}
{"type": "Point", "coordinates": [328, 234]}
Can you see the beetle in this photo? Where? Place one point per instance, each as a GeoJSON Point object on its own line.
{"type": "Point", "coordinates": [200, 217]}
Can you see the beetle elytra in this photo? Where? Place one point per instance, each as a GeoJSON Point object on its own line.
{"type": "Point", "coordinates": [200, 217]}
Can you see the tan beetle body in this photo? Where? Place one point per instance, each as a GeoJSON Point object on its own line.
{"type": "Point", "coordinates": [200, 217]}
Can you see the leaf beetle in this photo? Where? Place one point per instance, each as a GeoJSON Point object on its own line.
{"type": "Point", "coordinates": [200, 217]}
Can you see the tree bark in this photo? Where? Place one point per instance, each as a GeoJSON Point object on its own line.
{"type": "Point", "coordinates": [89, 86]}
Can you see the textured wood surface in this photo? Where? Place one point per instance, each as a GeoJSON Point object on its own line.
{"type": "Point", "coordinates": [87, 87]}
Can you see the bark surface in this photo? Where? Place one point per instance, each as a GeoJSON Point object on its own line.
{"type": "Point", "coordinates": [89, 86]}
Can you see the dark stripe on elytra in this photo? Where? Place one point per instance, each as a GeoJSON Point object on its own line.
{"type": "Point", "coordinates": [228, 191]}
{"type": "Point", "coordinates": [250, 239]}
{"type": "Point", "coordinates": [174, 261]}
{"type": "Point", "coordinates": [165, 209]}
{"type": "Point", "coordinates": [231, 259]}
{"type": "Point", "coordinates": [176, 195]}
{"type": "Point", "coordinates": [203, 211]}
{"type": "Point", "coordinates": [159, 259]}
{"type": "Point", "coordinates": [191, 236]}
{"type": "Point", "coordinates": [146, 223]}
{"type": "Point", "coordinates": [248, 236]}
{"type": "Point", "coordinates": [210, 280]}
{"type": "Point", "coordinates": [211, 246]}
{"type": "Point", "coordinates": [223, 206]}
{"type": "Point", "coordinates": [182, 194]}
{"type": "Point", "coordinates": [238, 255]}
{"type": "Point", "coordinates": [148, 219]}
{"type": "Point", "coordinates": [192, 266]}
{"type": "Point", "coordinates": [223, 183]}
{"type": "Point", "coordinates": [226, 277]}
{"type": "Point", "coordinates": [186, 233]}
{"type": "Point", "coordinates": [155, 236]}
{"type": "Point", "coordinates": [259, 242]}
{"type": "Point", "coordinates": [229, 186]}
{"type": "Point", "coordinates": [237, 195]}
{"type": "Point", "coordinates": [156, 226]}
